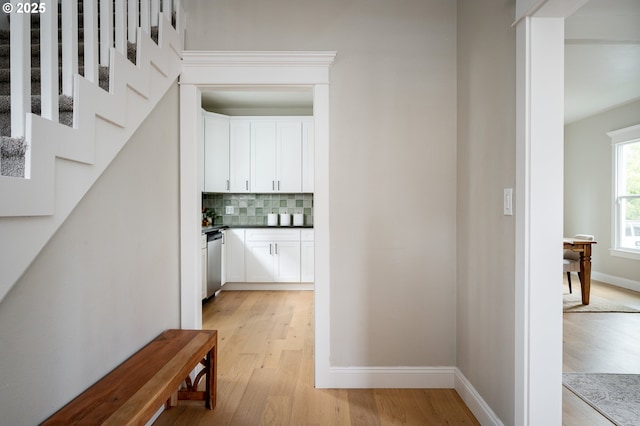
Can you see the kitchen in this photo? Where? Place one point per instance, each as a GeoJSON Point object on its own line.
{"type": "Point", "coordinates": [257, 190]}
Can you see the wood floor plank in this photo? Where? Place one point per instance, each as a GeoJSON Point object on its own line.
{"type": "Point", "coordinates": [266, 372]}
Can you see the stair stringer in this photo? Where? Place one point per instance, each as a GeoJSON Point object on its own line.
{"type": "Point", "coordinates": [63, 163]}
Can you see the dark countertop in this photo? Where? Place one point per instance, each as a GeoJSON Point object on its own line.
{"type": "Point", "coordinates": [208, 229]}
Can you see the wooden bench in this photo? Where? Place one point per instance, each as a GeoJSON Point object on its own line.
{"type": "Point", "coordinates": [134, 391]}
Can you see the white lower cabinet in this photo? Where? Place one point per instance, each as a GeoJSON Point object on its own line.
{"type": "Point", "coordinates": [233, 254]}
{"type": "Point", "coordinates": [307, 256]}
{"type": "Point", "coordinates": [272, 255]}
{"type": "Point", "coordinates": [268, 255]}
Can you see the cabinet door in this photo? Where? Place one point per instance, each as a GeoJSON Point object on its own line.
{"type": "Point", "coordinates": [263, 156]}
{"type": "Point", "coordinates": [287, 261]}
{"type": "Point", "coordinates": [259, 257]}
{"type": "Point", "coordinates": [216, 153]}
{"type": "Point", "coordinates": [307, 261]}
{"type": "Point", "coordinates": [233, 252]}
{"type": "Point", "coordinates": [308, 155]}
{"type": "Point", "coordinates": [223, 262]}
{"type": "Point", "coordinates": [289, 156]}
{"type": "Point", "coordinates": [240, 155]}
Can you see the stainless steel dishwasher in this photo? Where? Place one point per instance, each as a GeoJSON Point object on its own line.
{"type": "Point", "coordinates": [214, 262]}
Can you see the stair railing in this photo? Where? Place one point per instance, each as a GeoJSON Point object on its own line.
{"type": "Point", "coordinates": [107, 24]}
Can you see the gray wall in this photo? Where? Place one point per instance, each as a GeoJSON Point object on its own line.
{"type": "Point", "coordinates": [392, 161]}
{"type": "Point", "coordinates": [588, 185]}
{"type": "Point", "coordinates": [104, 285]}
{"type": "Point", "coordinates": [486, 165]}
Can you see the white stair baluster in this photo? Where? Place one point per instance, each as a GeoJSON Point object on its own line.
{"type": "Point", "coordinates": [20, 57]}
{"type": "Point", "coordinates": [106, 30]}
{"type": "Point", "coordinates": [132, 21]}
{"type": "Point", "coordinates": [167, 9]}
{"type": "Point", "coordinates": [155, 10]}
{"type": "Point", "coordinates": [91, 40]}
{"type": "Point", "coordinates": [121, 29]}
{"type": "Point", "coordinates": [145, 16]}
{"type": "Point", "coordinates": [69, 45]}
{"type": "Point", "coordinates": [49, 60]}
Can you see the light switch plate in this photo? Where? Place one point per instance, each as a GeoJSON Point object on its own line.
{"type": "Point", "coordinates": [228, 210]}
{"type": "Point", "coordinates": [508, 202]}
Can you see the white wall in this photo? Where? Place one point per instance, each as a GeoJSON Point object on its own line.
{"type": "Point", "coordinates": [392, 165]}
{"type": "Point", "coordinates": [104, 285]}
{"type": "Point", "coordinates": [486, 165]}
{"type": "Point", "coordinates": [588, 185]}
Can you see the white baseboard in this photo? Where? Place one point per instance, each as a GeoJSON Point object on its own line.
{"type": "Point", "coordinates": [391, 377]}
{"type": "Point", "coordinates": [414, 378]}
{"type": "Point", "coordinates": [267, 286]}
{"type": "Point", "coordinates": [474, 401]}
{"type": "Point", "coordinates": [617, 281]}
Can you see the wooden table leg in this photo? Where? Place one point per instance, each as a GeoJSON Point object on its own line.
{"type": "Point", "coordinates": [212, 381]}
{"type": "Point", "coordinates": [585, 272]}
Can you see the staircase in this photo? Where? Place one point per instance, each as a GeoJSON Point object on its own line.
{"type": "Point", "coordinates": [97, 68]}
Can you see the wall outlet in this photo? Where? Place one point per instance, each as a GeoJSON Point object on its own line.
{"type": "Point", "coordinates": [228, 210]}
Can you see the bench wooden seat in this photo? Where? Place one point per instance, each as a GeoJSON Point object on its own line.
{"type": "Point", "coordinates": [134, 391]}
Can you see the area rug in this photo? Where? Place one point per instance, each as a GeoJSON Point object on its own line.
{"type": "Point", "coordinates": [615, 396]}
{"type": "Point", "coordinates": [573, 303]}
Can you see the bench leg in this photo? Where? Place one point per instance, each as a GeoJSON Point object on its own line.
{"type": "Point", "coordinates": [211, 384]}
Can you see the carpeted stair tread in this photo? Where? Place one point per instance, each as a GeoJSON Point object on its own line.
{"type": "Point", "coordinates": [5, 50]}
{"type": "Point", "coordinates": [35, 35]}
{"type": "Point", "coordinates": [65, 103]}
{"type": "Point", "coordinates": [5, 79]}
{"type": "Point", "coordinates": [5, 73]}
{"type": "Point", "coordinates": [12, 151]}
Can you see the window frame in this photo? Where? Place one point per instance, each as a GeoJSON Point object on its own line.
{"type": "Point", "coordinates": [620, 138]}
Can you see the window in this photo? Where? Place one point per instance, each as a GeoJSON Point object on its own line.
{"type": "Point", "coordinates": [626, 188]}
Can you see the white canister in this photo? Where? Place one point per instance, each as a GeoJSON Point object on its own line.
{"type": "Point", "coordinates": [298, 219]}
{"type": "Point", "coordinates": [285, 219]}
{"type": "Point", "coordinates": [272, 219]}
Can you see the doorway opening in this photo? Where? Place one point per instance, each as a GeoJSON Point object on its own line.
{"type": "Point", "coordinates": [265, 72]}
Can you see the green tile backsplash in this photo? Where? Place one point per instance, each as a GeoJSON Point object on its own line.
{"type": "Point", "coordinates": [252, 209]}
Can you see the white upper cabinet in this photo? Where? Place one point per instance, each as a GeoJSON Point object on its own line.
{"type": "Point", "coordinates": [240, 155]}
{"type": "Point", "coordinates": [263, 156]}
{"type": "Point", "coordinates": [308, 155]}
{"type": "Point", "coordinates": [258, 154]}
{"type": "Point", "coordinates": [276, 155]}
{"type": "Point", "coordinates": [288, 156]}
{"type": "Point", "coordinates": [216, 152]}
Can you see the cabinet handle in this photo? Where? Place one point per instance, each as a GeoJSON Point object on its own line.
{"type": "Point", "coordinates": [273, 185]}
{"type": "Point", "coordinates": [223, 237]}
{"type": "Point", "coordinates": [228, 184]}
{"type": "Point", "coordinates": [246, 184]}
{"type": "Point", "coordinates": [270, 249]}
{"type": "Point", "coordinates": [278, 185]}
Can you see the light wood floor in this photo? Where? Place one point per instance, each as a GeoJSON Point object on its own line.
{"type": "Point", "coordinates": [265, 376]}
{"type": "Point", "coordinates": [266, 367]}
{"type": "Point", "coordinates": [599, 343]}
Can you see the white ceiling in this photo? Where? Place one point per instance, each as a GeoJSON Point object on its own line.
{"type": "Point", "coordinates": [602, 57]}
{"type": "Point", "coordinates": [226, 99]}
{"type": "Point", "coordinates": [602, 67]}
